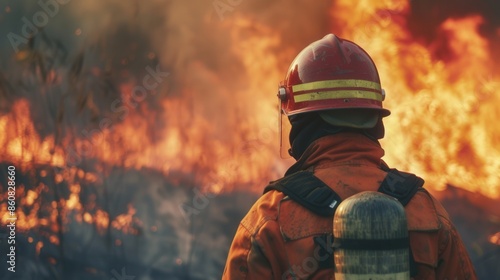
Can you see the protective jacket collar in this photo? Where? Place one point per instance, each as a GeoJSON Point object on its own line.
{"type": "Point", "coordinates": [345, 148]}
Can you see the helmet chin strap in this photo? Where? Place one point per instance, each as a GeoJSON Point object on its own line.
{"type": "Point", "coordinates": [370, 136]}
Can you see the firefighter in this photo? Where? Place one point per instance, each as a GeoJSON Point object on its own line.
{"type": "Point", "coordinates": [332, 97]}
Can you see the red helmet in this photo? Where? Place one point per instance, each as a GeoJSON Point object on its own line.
{"type": "Point", "coordinates": [331, 73]}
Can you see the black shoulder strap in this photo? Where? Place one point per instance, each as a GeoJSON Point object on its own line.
{"type": "Point", "coordinates": [400, 185]}
{"type": "Point", "coordinates": [309, 191]}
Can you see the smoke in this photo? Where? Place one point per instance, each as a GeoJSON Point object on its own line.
{"type": "Point", "coordinates": [426, 16]}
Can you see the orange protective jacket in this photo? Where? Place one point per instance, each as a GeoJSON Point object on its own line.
{"type": "Point", "coordinates": [275, 240]}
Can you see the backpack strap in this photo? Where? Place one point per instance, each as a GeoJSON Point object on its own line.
{"type": "Point", "coordinates": [309, 191]}
{"type": "Point", "coordinates": [403, 186]}
{"type": "Point", "coordinates": [400, 185]}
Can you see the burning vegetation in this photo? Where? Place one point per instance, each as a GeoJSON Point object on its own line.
{"type": "Point", "coordinates": [141, 133]}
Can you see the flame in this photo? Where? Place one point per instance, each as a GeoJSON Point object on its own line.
{"type": "Point", "coordinates": [221, 151]}
{"type": "Point", "coordinates": [495, 238]}
{"type": "Point", "coordinates": [39, 246]}
{"type": "Point", "coordinates": [442, 108]}
{"type": "Point", "coordinates": [20, 141]}
{"type": "Point", "coordinates": [227, 150]}
{"type": "Point", "coordinates": [101, 219]}
{"type": "Point", "coordinates": [126, 222]}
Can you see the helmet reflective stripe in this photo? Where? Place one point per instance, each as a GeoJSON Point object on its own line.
{"type": "Point", "coordinates": [337, 94]}
{"type": "Point", "coordinates": [322, 90]}
{"type": "Point", "coordinates": [337, 84]}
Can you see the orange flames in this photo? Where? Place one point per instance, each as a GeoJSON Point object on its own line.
{"type": "Point", "coordinates": [442, 111]}
{"type": "Point", "coordinates": [20, 142]}
{"type": "Point", "coordinates": [495, 238]}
